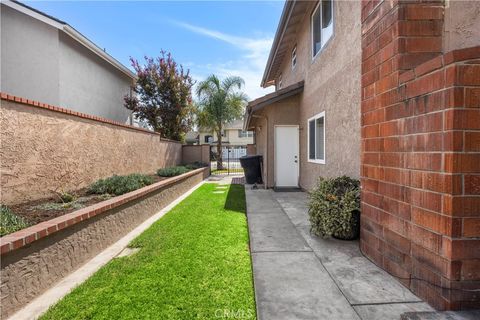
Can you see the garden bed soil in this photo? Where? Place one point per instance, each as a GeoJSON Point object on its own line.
{"type": "Point", "coordinates": [45, 209]}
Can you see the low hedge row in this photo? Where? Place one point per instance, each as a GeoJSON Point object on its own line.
{"type": "Point", "coordinates": [178, 170]}
{"type": "Point", "coordinates": [113, 186]}
{"type": "Point", "coordinates": [119, 185]}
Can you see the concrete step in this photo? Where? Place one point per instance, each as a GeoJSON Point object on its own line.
{"type": "Point", "coordinates": [442, 315]}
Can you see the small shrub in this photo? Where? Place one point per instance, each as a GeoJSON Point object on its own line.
{"type": "Point", "coordinates": [58, 206]}
{"type": "Point", "coordinates": [118, 185]}
{"type": "Point", "coordinates": [196, 165]}
{"type": "Point", "coordinates": [66, 197]}
{"type": "Point", "coordinates": [172, 171]}
{"type": "Point", "coordinates": [334, 208]}
{"type": "Point", "coordinates": [10, 222]}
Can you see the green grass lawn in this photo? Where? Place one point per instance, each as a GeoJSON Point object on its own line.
{"type": "Point", "coordinates": [194, 263]}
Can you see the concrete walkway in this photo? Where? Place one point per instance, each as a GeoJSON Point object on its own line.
{"type": "Point", "coordinates": [300, 276]}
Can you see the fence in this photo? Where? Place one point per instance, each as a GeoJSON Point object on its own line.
{"type": "Point", "coordinates": [230, 164]}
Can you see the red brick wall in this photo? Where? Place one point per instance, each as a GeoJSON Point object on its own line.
{"type": "Point", "coordinates": [420, 153]}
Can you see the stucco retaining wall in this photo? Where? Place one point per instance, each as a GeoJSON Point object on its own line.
{"type": "Point", "coordinates": [46, 148]}
{"type": "Point", "coordinates": [34, 259]}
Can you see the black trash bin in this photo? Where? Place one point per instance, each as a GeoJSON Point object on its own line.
{"type": "Point", "coordinates": [252, 167]}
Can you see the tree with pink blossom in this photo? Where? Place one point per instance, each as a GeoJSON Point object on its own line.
{"type": "Point", "coordinates": [162, 96]}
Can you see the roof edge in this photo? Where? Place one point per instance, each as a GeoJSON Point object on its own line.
{"type": "Point", "coordinates": [287, 10]}
{"type": "Point", "coordinates": [70, 31]}
{"type": "Point", "coordinates": [270, 98]}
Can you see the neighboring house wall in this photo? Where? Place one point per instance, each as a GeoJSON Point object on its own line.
{"type": "Point", "coordinates": [30, 55]}
{"type": "Point", "coordinates": [202, 135]}
{"type": "Point", "coordinates": [89, 84]}
{"type": "Point", "coordinates": [51, 150]}
{"type": "Point", "coordinates": [40, 62]}
{"type": "Point", "coordinates": [230, 136]}
{"type": "Point", "coordinates": [235, 140]}
{"type": "Point", "coordinates": [421, 147]}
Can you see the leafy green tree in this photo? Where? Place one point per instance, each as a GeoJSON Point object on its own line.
{"type": "Point", "coordinates": [163, 96]}
{"type": "Point", "coordinates": [220, 103]}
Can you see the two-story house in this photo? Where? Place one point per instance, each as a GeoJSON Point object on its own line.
{"type": "Point", "coordinates": [310, 126]}
{"type": "Point", "coordinates": [387, 91]}
{"type": "Point", "coordinates": [45, 59]}
{"type": "Point", "coordinates": [232, 135]}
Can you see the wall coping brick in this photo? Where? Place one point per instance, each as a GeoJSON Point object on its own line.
{"type": "Point", "coordinates": [41, 105]}
{"type": "Point", "coordinates": [462, 54]}
{"type": "Point", "coordinates": [26, 236]}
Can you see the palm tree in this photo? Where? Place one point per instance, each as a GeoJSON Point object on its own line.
{"type": "Point", "coordinates": [220, 103]}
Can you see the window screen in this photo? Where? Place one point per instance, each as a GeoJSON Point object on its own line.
{"type": "Point", "coordinates": [294, 57]}
{"type": "Point", "coordinates": [311, 143]}
{"type": "Point", "coordinates": [316, 32]}
{"type": "Point", "coordinates": [322, 25]}
{"type": "Point", "coordinates": [327, 25]}
{"type": "Point", "coordinates": [316, 138]}
{"type": "Point", "coordinates": [319, 139]}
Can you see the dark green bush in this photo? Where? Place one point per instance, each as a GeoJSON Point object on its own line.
{"type": "Point", "coordinates": [118, 185]}
{"type": "Point", "coordinates": [196, 165]}
{"type": "Point", "coordinates": [334, 207]}
{"type": "Point", "coordinates": [10, 222]}
{"type": "Point", "coordinates": [172, 171]}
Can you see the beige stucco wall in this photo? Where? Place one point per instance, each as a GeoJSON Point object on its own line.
{"type": "Point", "coordinates": [44, 150]}
{"type": "Point", "coordinates": [462, 24]}
{"type": "Point", "coordinates": [284, 112]}
{"type": "Point", "coordinates": [194, 153]}
{"type": "Point", "coordinates": [31, 270]}
{"type": "Point", "coordinates": [332, 84]}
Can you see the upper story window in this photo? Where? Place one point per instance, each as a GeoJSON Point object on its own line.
{"type": "Point", "coordinates": [316, 138]}
{"type": "Point", "coordinates": [279, 84]}
{"type": "Point", "coordinates": [245, 134]}
{"type": "Point", "coordinates": [322, 25]}
{"type": "Point", "coordinates": [294, 57]}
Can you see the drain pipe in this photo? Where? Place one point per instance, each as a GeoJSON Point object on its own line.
{"type": "Point", "coordinates": [265, 182]}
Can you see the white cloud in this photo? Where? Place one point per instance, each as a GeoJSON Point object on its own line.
{"type": "Point", "coordinates": [249, 65]}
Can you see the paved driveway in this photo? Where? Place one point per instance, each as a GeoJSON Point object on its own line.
{"type": "Point", "coordinates": [299, 276]}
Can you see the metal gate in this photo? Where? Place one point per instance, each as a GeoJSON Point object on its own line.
{"type": "Point", "coordinates": [230, 160]}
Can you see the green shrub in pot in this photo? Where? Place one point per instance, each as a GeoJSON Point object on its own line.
{"type": "Point", "coordinates": [334, 208]}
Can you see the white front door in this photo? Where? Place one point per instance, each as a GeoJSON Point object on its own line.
{"type": "Point", "coordinates": [286, 156]}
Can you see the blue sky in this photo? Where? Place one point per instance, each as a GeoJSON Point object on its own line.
{"type": "Point", "coordinates": [221, 37]}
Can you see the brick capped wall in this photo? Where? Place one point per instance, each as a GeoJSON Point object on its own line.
{"type": "Point", "coordinates": [420, 153]}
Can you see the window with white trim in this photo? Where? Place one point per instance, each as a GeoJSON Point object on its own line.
{"type": "Point", "coordinates": [294, 57]}
{"type": "Point", "coordinates": [245, 134]}
{"type": "Point", "coordinates": [321, 25]}
{"type": "Point", "coordinates": [316, 138]}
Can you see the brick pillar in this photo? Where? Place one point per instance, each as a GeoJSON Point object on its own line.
{"type": "Point", "coordinates": [420, 153]}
